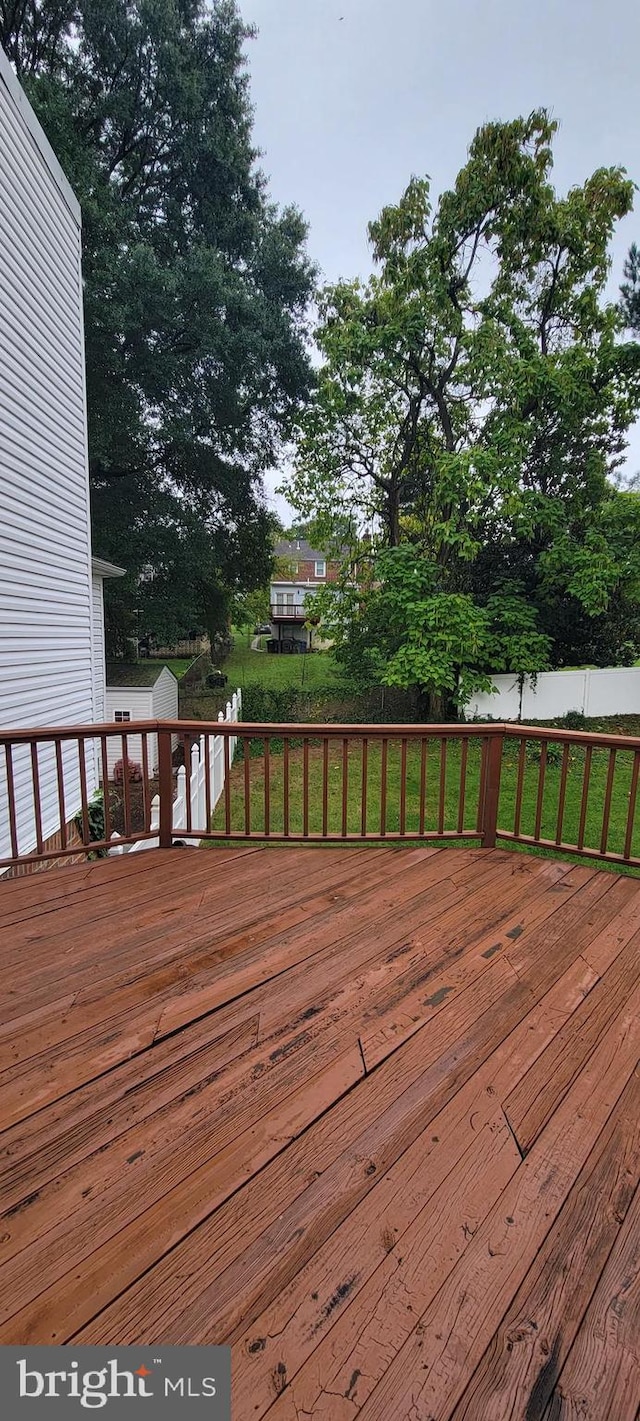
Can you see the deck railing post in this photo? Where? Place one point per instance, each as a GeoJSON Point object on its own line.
{"type": "Point", "coordinates": [493, 752]}
{"type": "Point", "coordinates": [165, 789]}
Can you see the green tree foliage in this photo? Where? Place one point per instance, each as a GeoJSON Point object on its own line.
{"type": "Point", "coordinates": [630, 291]}
{"type": "Point", "coordinates": [196, 287]}
{"type": "Point", "coordinates": [471, 408]}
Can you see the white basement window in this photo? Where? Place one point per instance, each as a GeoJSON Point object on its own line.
{"type": "Point", "coordinates": [122, 717]}
{"type": "Point", "coordinates": [321, 567]}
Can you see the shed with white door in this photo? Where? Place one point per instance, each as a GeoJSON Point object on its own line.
{"type": "Point", "coordinates": [142, 691]}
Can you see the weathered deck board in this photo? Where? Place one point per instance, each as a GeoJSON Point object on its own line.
{"type": "Point", "coordinates": [281, 1097]}
{"type": "Point", "coordinates": [517, 1374]}
{"type": "Point", "coordinates": [602, 1375]}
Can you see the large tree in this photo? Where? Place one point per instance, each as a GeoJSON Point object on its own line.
{"type": "Point", "coordinates": [630, 291]}
{"type": "Point", "coordinates": [196, 287]}
{"type": "Point", "coordinates": [471, 409]}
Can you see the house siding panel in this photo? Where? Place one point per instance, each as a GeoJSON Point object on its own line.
{"type": "Point", "coordinates": [139, 704]}
{"type": "Point", "coordinates": [46, 675]}
{"type": "Point", "coordinates": [97, 611]}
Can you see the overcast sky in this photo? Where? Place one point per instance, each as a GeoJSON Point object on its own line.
{"type": "Point", "coordinates": [352, 97]}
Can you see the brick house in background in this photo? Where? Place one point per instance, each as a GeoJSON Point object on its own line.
{"type": "Point", "coordinates": [307, 569]}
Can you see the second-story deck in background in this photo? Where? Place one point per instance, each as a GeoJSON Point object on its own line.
{"type": "Point", "coordinates": [370, 1115]}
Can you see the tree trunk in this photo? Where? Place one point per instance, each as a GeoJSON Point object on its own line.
{"type": "Point", "coordinates": [393, 517]}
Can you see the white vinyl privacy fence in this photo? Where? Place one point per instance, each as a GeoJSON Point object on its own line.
{"type": "Point", "coordinates": [192, 800]}
{"type": "Point", "coordinates": [615, 690]}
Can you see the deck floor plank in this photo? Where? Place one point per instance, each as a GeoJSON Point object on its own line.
{"type": "Point", "coordinates": [516, 1377]}
{"type": "Point", "coordinates": [601, 1377]}
{"type": "Point", "coordinates": [366, 1113]}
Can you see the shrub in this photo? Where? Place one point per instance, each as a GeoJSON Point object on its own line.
{"type": "Point", "coordinates": [554, 752]}
{"type": "Point", "coordinates": [573, 720]}
{"type": "Point", "coordinates": [95, 815]}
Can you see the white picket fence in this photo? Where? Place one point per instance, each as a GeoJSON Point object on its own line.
{"type": "Point", "coordinates": [192, 788]}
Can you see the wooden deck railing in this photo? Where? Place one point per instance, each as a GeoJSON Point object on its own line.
{"type": "Point", "coordinates": [489, 783]}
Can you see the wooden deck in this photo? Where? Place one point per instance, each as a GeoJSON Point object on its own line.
{"type": "Point", "coordinates": [372, 1116]}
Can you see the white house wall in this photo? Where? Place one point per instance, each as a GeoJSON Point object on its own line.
{"type": "Point", "coordinates": [165, 699]}
{"type": "Point", "coordinates": [45, 584]}
{"type": "Point", "coordinates": [165, 696]}
{"type": "Point", "coordinates": [99, 670]}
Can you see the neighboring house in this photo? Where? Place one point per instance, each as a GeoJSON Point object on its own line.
{"type": "Point", "coordinates": [143, 691]}
{"type": "Point", "coordinates": [291, 594]}
{"type": "Point", "coordinates": [51, 630]}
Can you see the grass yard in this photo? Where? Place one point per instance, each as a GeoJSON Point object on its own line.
{"type": "Point", "coordinates": [442, 792]}
{"type": "Point", "coordinates": [244, 666]}
{"type": "Point", "coordinates": [177, 664]}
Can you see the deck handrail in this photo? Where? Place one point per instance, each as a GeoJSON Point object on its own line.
{"type": "Point", "coordinates": [312, 783]}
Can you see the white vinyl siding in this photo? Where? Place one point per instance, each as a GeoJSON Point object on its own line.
{"type": "Point", "coordinates": [46, 675]}
{"type": "Point", "coordinates": [139, 704]}
{"type": "Point", "coordinates": [165, 696]}
{"type": "Point", "coordinates": [97, 606]}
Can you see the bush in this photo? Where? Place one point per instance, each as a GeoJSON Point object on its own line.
{"type": "Point", "coordinates": [95, 815]}
{"type": "Point", "coordinates": [573, 720]}
{"type": "Point", "coordinates": [554, 752]}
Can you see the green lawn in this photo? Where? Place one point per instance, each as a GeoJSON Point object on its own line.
{"type": "Point", "coordinates": [177, 664]}
{"type": "Point", "coordinates": [441, 808]}
{"type": "Point", "coordinates": [244, 666]}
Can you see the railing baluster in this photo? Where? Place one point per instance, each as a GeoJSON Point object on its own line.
{"type": "Point", "coordinates": [305, 788]}
{"type": "Point", "coordinates": [84, 802]}
{"type": "Point", "coordinates": [325, 787]}
{"type": "Point", "coordinates": [165, 790]}
{"type": "Point", "coordinates": [227, 784]}
{"type": "Point", "coordinates": [443, 782]}
{"type": "Point", "coordinates": [522, 759]}
{"type": "Point", "coordinates": [37, 803]}
{"type": "Point", "coordinates": [540, 796]}
{"type": "Point", "coordinates": [586, 776]}
{"type": "Point", "coordinates": [126, 793]}
{"type": "Point", "coordinates": [383, 787]}
{"type": "Point", "coordinates": [491, 803]}
{"type": "Point", "coordinates": [482, 786]}
{"type": "Point", "coordinates": [363, 787]}
{"type": "Point", "coordinates": [345, 787]}
{"type": "Point", "coordinates": [247, 785]}
{"type": "Point", "coordinates": [146, 802]}
{"type": "Point", "coordinates": [11, 799]}
{"type": "Point", "coordinates": [628, 838]}
{"type": "Point", "coordinates": [423, 786]}
{"type": "Point", "coordinates": [464, 750]}
{"type": "Point", "coordinates": [403, 785]}
{"type": "Point", "coordinates": [286, 786]}
{"type": "Point", "coordinates": [267, 787]}
{"type": "Point", "coordinates": [562, 792]}
{"type": "Point", "coordinates": [187, 785]}
{"type": "Point", "coordinates": [105, 788]}
{"type": "Point", "coordinates": [607, 802]}
{"type": "Point", "coordinates": [61, 801]}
